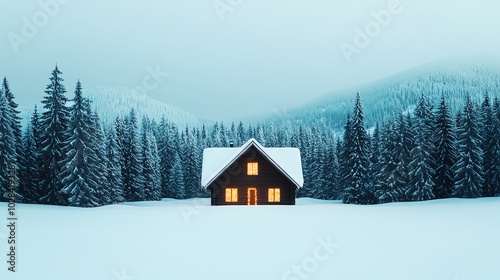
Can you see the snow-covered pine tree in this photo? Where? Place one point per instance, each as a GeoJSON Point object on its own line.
{"type": "Point", "coordinates": [78, 187]}
{"type": "Point", "coordinates": [315, 162]}
{"type": "Point", "coordinates": [150, 162]}
{"type": "Point", "coordinates": [421, 166]}
{"type": "Point", "coordinates": [132, 179]}
{"type": "Point", "coordinates": [490, 148]}
{"type": "Point", "coordinates": [260, 134]}
{"type": "Point", "coordinates": [445, 152]}
{"type": "Point", "coordinates": [215, 136]}
{"type": "Point", "coordinates": [357, 188]}
{"type": "Point", "coordinates": [421, 183]}
{"type": "Point", "coordinates": [54, 124]}
{"type": "Point", "coordinates": [407, 131]}
{"type": "Point", "coordinates": [468, 170]}
{"type": "Point", "coordinates": [113, 168]}
{"type": "Point", "coordinates": [164, 154]}
{"type": "Point", "coordinates": [188, 154]}
{"type": "Point", "coordinates": [388, 187]}
{"type": "Point", "coordinates": [15, 121]}
{"type": "Point", "coordinates": [99, 147]}
{"type": "Point", "coordinates": [8, 156]}
{"type": "Point", "coordinates": [241, 135]}
{"type": "Point", "coordinates": [232, 132]}
{"type": "Point", "coordinates": [272, 136]}
{"type": "Point", "coordinates": [224, 135]}
{"type": "Point", "coordinates": [173, 147]}
{"type": "Point", "coordinates": [345, 166]}
{"type": "Point", "coordinates": [176, 178]}
{"type": "Point", "coordinates": [329, 173]}
{"type": "Point", "coordinates": [30, 172]}
{"type": "Point", "coordinates": [119, 126]}
{"type": "Point", "coordinates": [375, 160]}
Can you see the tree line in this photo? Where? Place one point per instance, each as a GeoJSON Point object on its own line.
{"type": "Point", "coordinates": [66, 156]}
{"type": "Point", "coordinates": [427, 154]}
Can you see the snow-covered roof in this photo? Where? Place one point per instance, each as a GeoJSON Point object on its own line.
{"type": "Point", "coordinates": [217, 160]}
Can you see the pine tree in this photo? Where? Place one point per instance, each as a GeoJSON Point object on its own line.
{"type": "Point", "coordinates": [241, 137]}
{"type": "Point", "coordinates": [388, 186]}
{"type": "Point", "coordinates": [357, 188]}
{"type": "Point", "coordinates": [421, 168]}
{"type": "Point", "coordinates": [8, 156]}
{"type": "Point", "coordinates": [15, 121]}
{"type": "Point", "coordinates": [188, 154]}
{"type": "Point", "coordinates": [375, 160]}
{"type": "Point", "coordinates": [467, 169]}
{"type": "Point", "coordinates": [79, 188]}
{"type": "Point", "coordinates": [445, 152]}
{"type": "Point", "coordinates": [329, 174]}
{"type": "Point", "coordinates": [54, 127]}
{"type": "Point", "coordinates": [490, 148]}
{"type": "Point", "coordinates": [177, 179]}
{"type": "Point", "coordinates": [345, 166]}
{"type": "Point", "coordinates": [315, 162]}
{"type": "Point", "coordinates": [30, 173]}
{"type": "Point", "coordinates": [150, 163]}
{"type": "Point", "coordinates": [171, 146]}
{"type": "Point", "coordinates": [113, 168]}
{"type": "Point", "coordinates": [132, 179]}
{"type": "Point", "coordinates": [99, 167]}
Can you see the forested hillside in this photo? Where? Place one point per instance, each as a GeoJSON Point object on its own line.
{"type": "Point", "coordinates": [385, 98]}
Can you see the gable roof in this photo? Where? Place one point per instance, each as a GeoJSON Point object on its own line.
{"type": "Point", "coordinates": [217, 160]}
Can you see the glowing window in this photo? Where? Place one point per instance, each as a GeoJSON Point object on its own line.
{"type": "Point", "coordinates": [273, 195]}
{"type": "Point", "coordinates": [253, 168]}
{"type": "Point", "coordinates": [231, 195]}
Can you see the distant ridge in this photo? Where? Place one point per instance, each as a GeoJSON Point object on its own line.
{"type": "Point", "coordinates": [119, 101]}
{"type": "Point", "coordinates": [113, 102]}
{"type": "Point", "coordinates": [382, 99]}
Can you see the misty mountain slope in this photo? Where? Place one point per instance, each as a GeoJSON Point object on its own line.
{"type": "Point", "coordinates": [119, 101]}
{"type": "Point", "coordinates": [382, 99]}
{"type": "Point", "coordinates": [113, 102]}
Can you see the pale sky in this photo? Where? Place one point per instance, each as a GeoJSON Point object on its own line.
{"type": "Point", "coordinates": [245, 60]}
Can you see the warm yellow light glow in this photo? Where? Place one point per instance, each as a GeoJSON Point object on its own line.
{"type": "Point", "coordinates": [273, 195]}
{"type": "Point", "coordinates": [231, 195]}
{"type": "Point", "coordinates": [249, 195]}
{"type": "Point", "coordinates": [253, 168]}
{"type": "Point", "coordinates": [234, 194]}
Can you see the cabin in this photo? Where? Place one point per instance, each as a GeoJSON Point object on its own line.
{"type": "Point", "coordinates": [252, 174]}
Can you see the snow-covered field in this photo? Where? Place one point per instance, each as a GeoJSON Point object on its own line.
{"type": "Point", "coordinates": [448, 239]}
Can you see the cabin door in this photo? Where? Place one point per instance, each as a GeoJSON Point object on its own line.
{"type": "Point", "coordinates": [252, 196]}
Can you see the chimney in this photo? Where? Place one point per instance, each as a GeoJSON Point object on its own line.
{"type": "Point", "coordinates": [231, 144]}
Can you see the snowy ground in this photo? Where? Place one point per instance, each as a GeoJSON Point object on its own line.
{"type": "Point", "coordinates": [448, 239]}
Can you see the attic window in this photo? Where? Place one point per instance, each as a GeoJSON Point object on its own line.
{"type": "Point", "coordinates": [231, 195]}
{"type": "Point", "coordinates": [273, 195]}
{"type": "Point", "coordinates": [253, 168]}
